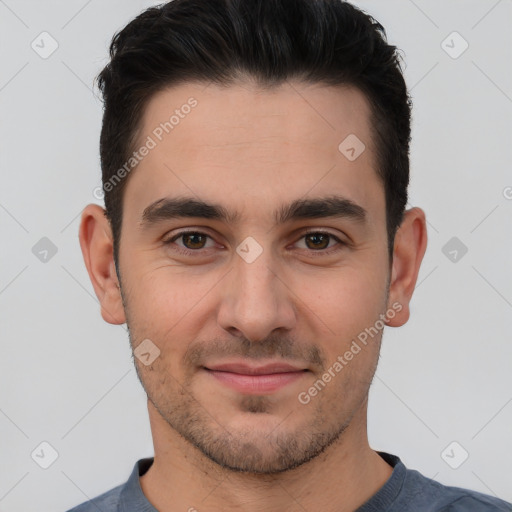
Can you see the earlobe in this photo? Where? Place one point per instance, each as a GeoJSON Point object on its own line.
{"type": "Point", "coordinates": [409, 249]}
{"type": "Point", "coordinates": [97, 249]}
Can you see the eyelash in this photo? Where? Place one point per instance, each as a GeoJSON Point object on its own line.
{"type": "Point", "coordinates": [322, 252]}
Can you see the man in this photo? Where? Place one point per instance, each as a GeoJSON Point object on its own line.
{"type": "Point", "coordinates": [255, 159]}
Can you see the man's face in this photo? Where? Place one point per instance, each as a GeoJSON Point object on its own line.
{"type": "Point", "coordinates": [255, 291]}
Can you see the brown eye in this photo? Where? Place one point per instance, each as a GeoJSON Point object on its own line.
{"type": "Point", "coordinates": [318, 240]}
{"type": "Point", "coordinates": [193, 240]}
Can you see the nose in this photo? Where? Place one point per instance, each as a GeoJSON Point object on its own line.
{"type": "Point", "coordinates": [256, 299]}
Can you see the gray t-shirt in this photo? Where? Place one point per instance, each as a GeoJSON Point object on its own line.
{"type": "Point", "coordinates": [406, 490]}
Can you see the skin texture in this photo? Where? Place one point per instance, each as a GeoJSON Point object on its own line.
{"type": "Point", "coordinates": [252, 151]}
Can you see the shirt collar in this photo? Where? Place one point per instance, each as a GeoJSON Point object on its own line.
{"type": "Point", "coordinates": [133, 499]}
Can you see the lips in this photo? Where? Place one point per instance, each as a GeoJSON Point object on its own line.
{"type": "Point", "coordinates": [244, 369]}
{"type": "Point", "coordinates": [263, 379]}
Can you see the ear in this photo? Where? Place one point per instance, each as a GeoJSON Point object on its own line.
{"type": "Point", "coordinates": [97, 246]}
{"type": "Point", "coordinates": [409, 249]}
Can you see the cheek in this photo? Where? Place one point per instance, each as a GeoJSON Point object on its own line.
{"type": "Point", "coordinates": [350, 308]}
{"type": "Point", "coordinates": [346, 300]}
{"type": "Point", "coordinates": [165, 293]}
{"type": "Point", "coordinates": [168, 306]}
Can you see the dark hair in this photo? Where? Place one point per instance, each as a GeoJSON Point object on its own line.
{"type": "Point", "coordinates": [329, 42]}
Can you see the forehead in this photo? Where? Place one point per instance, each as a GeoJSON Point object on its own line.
{"type": "Point", "coordinates": [245, 147]}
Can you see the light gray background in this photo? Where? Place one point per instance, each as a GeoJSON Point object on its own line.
{"type": "Point", "coordinates": [67, 377]}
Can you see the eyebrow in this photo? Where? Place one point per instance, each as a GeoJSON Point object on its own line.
{"type": "Point", "coordinates": [299, 209]}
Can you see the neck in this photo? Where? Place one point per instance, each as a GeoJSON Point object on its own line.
{"type": "Point", "coordinates": [340, 479]}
